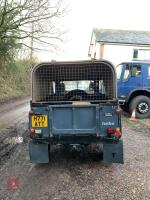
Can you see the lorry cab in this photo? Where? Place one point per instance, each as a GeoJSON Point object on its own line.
{"type": "Point", "coordinates": [133, 82]}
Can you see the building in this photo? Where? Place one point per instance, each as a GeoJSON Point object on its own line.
{"type": "Point", "coordinates": [119, 45]}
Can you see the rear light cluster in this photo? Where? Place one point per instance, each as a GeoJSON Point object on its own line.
{"type": "Point", "coordinates": [114, 132]}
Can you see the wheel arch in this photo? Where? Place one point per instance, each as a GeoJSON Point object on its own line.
{"type": "Point", "coordinates": [136, 93]}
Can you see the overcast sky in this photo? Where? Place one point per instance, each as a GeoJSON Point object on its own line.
{"type": "Point", "coordinates": [84, 15]}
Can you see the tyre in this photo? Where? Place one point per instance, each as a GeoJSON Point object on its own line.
{"type": "Point", "coordinates": [141, 104]}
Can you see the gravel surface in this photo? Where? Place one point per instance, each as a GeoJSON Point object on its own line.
{"type": "Point", "coordinates": [76, 175]}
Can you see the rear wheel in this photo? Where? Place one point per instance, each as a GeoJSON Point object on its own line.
{"type": "Point", "coordinates": [141, 104]}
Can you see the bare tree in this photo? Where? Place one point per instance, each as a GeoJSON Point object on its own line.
{"type": "Point", "coordinates": [17, 18]}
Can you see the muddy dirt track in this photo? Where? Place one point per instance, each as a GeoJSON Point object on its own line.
{"type": "Point", "coordinates": [13, 111]}
{"type": "Point", "coordinates": [76, 175]}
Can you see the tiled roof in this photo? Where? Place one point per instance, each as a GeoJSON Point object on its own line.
{"type": "Point", "coordinates": [122, 36]}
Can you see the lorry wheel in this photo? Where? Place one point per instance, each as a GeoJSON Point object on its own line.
{"type": "Point", "coordinates": [141, 104]}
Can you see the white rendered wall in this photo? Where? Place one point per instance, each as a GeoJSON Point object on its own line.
{"type": "Point", "coordinates": [117, 53]}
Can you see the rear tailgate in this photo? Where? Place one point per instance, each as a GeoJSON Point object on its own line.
{"type": "Point", "coordinates": [82, 119]}
{"type": "Point", "coordinates": [68, 119]}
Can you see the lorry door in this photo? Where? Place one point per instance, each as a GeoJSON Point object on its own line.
{"type": "Point", "coordinates": [146, 77]}
{"type": "Point", "coordinates": [130, 79]}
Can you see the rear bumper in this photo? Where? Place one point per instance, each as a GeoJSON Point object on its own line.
{"type": "Point", "coordinates": [112, 152]}
{"type": "Point", "coordinates": [76, 139]}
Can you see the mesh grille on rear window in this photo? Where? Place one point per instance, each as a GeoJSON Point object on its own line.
{"type": "Point", "coordinates": [73, 82]}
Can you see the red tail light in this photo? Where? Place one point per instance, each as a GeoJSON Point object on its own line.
{"type": "Point", "coordinates": [118, 132]}
{"type": "Point", "coordinates": [110, 131]}
{"type": "Point", "coordinates": [32, 132]}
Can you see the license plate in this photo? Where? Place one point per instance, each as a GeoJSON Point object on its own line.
{"type": "Point", "coordinates": [39, 121]}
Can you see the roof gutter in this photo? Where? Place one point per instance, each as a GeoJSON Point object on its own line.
{"type": "Point", "coordinates": [124, 43]}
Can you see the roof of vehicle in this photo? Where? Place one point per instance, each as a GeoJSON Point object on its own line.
{"type": "Point", "coordinates": [136, 62]}
{"type": "Point", "coordinates": [44, 74]}
{"type": "Point", "coordinates": [54, 63]}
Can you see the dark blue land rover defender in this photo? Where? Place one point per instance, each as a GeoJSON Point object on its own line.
{"type": "Point", "coordinates": [74, 103]}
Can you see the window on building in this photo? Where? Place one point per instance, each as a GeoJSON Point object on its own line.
{"type": "Point", "coordinates": [135, 53]}
{"type": "Point", "coordinates": [141, 54]}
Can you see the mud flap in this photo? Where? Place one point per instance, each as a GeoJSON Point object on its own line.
{"type": "Point", "coordinates": [38, 152]}
{"type": "Point", "coordinates": [113, 152]}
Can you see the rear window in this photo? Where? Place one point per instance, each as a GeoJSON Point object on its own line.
{"type": "Point", "coordinates": [74, 82]}
{"type": "Point", "coordinates": [87, 86]}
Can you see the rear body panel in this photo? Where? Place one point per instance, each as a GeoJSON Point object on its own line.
{"type": "Point", "coordinates": [79, 120]}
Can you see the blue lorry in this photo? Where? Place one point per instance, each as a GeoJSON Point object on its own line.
{"type": "Point", "coordinates": [134, 87]}
{"type": "Point", "coordinates": [74, 103]}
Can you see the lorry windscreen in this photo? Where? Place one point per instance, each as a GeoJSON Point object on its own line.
{"type": "Point", "coordinates": [119, 71]}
